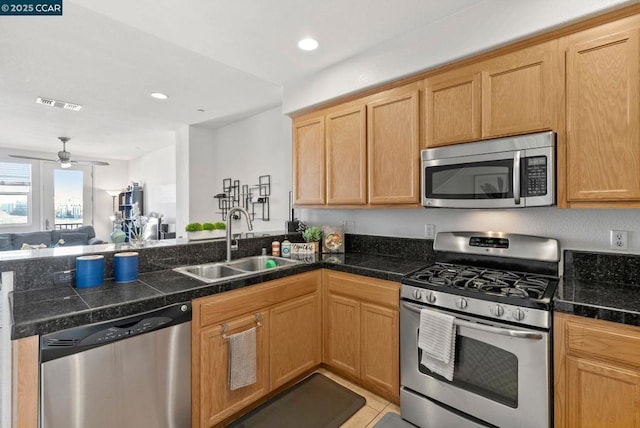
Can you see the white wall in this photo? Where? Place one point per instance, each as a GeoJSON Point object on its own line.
{"type": "Point", "coordinates": [202, 177]}
{"type": "Point", "coordinates": [157, 173]}
{"type": "Point", "coordinates": [244, 150]}
{"type": "Point", "coordinates": [454, 37]}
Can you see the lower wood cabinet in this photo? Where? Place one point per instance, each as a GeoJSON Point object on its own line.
{"type": "Point", "coordinates": [597, 373]}
{"type": "Point", "coordinates": [288, 342]}
{"type": "Point", "coordinates": [361, 331]}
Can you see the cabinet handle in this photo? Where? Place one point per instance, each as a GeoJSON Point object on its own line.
{"type": "Point", "coordinates": [516, 177]}
{"type": "Point", "coordinates": [224, 326]}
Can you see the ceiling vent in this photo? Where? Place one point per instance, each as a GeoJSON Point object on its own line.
{"type": "Point", "coordinates": [60, 104]}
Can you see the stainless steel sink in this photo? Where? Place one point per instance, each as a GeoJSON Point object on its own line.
{"type": "Point", "coordinates": [260, 263]}
{"type": "Point", "coordinates": [211, 272]}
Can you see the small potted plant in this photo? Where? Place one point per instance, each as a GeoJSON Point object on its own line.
{"type": "Point", "coordinates": [215, 230]}
{"type": "Point", "coordinates": [313, 234]}
{"type": "Point", "coordinates": [195, 231]}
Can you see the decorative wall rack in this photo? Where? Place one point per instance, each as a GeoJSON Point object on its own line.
{"type": "Point", "coordinates": [254, 198]}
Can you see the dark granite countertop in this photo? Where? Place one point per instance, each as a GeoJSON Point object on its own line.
{"type": "Point", "coordinates": [42, 311]}
{"type": "Point", "coordinates": [598, 299]}
{"type": "Point", "coordinates": [600, 285]}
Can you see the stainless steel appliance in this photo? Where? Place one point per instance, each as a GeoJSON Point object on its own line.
{"type": "Point", "coordinates": [513, 172]}
{"type": "Point", "coordinates": [129, 373]}
{"type": "Point", "coordinates": [499, 289]}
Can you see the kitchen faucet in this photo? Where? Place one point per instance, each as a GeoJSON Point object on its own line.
{"type": "Point", "coordinates": [229, 234]}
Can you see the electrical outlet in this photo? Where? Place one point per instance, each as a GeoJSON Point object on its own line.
{"type": "Point", "coordinates": [64, 277]}
{"type": "Point", "coordinates": [429, 231]}
{"type": "Point", "coordinates": [619, 239]}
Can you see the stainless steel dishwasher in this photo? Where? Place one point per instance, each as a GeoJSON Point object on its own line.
{"type": "Point", "coordinates": [127, 373]}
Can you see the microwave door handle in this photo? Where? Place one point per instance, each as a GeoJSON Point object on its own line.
{"type": "Point", "coordinates": [516, 177]}
{"type": "Point", "coordinates": [485, 328]}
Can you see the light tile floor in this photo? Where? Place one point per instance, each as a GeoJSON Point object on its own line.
{"type": "Point", "coordinates": [374, 409]}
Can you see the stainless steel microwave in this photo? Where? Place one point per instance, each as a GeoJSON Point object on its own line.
{"type": "Point", "coordinates": [512, 172]}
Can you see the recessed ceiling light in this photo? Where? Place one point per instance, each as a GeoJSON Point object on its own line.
{"type": "Point", "coordinates": [308, 44]}
{"type": "Point", "coordinates": [159, 95]}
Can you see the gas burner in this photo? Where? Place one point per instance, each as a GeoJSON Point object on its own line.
{"type": "Point", "coordinates": [484, 281]}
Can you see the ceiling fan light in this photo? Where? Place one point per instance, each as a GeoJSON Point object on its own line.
{"type": "Point", "coordinates": [65, 165]}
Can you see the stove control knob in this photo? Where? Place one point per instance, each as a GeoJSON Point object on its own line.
{"type": "Point", "coordinates": [497, 310]}
{"type": "Point", "coordinates": [518, 314]}
{"type": "Point", "coordinates": [431, 297]}
{"type": "Point", "coordinates": [417, 294]}
{"type": "Point", "coordinates": [462, 303]}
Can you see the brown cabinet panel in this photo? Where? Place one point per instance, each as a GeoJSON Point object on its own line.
{"type": "Point", "coordinates": [216, 400]}
{"type": "Point", "coordinates": [600, 395]}
{"type": "Point", "coordinates": [347, 157]}
{"type": "Point", "coordinates": [603, 117]}
{"type": "Point", "coordinates": [380, 348]}
{"type": "Point", "coordinates": [520, 91]}
{"type": "Point", "coordinates": [295, 339]}
{"type": "Point", "coordinates": [309, 161]}
{"type": "Point", "coordinates": [342, 335]}
{"type": "Point", "coordinates": [597, 373]}
{"type": "Point", "coordinates": [393, 142]}
{"type": "Point", "coordinates": [453, 112]}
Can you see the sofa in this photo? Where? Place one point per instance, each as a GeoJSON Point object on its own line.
{"type": "Point", "coordinates": [84, 235]}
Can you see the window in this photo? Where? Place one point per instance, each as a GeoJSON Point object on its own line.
{"type": "Point", "coordinates": [15, 193]}
{"type": "Point", "coordinates": [68, 185]}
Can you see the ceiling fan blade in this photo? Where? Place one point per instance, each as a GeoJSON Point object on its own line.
{"type": "Point", "coordinates": [34, 158]}
{"type": "Point", "coordinates": [90, 162]}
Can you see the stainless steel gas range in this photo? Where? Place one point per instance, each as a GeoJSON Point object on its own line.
{"type": "Point", "coordinates": [496, 291]}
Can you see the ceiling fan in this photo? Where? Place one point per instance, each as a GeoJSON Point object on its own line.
{"type": "Point", "coordinates": [64, 157]}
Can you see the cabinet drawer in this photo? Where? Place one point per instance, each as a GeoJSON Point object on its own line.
{"type": "Point", "coordinates": [224, 306]}
{"type": "Point", "coordinates": [607, 340]}
{"type": "Point", "coordinates": [385, 293]}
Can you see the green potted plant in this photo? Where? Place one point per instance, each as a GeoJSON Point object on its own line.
{"type": "Point", "coordinates": [215, 230]}
{"type": "Point", "coordinates": [195, 231]}
{"type": "Point", "coordinates": [313, 234]}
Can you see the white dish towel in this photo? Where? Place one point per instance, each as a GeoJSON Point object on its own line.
{"type": "Point", "coordinates": [437, 339]}
{"type": "Point", "coordinates": [242, 359]}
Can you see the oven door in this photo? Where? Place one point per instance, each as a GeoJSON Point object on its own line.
{"type": "Point", "coordinates": [501, 372]}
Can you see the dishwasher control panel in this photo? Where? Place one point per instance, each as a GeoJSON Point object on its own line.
{"type": "Point", "coordinates": [115, 333]}
{"type": "Point", "coordinates": [76, 339]}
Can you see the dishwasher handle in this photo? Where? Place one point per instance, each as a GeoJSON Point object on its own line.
{"type": "Point", "coordinates": [77, 339]}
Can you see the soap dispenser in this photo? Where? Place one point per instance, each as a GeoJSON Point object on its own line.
{"type": "Point", "coordinates": [285, 247]}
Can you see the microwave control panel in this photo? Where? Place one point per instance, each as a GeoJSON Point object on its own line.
{"type": "Point", "coordinates": [535, 176]}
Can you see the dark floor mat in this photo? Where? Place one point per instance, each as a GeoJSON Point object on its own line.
{"type": "Point", "coordinates": [316, 402]}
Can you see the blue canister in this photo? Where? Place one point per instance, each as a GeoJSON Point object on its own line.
{"type": "Point", "coordinates": [125, 267]}
{"type": "Point", "coordinates": [89, 271]}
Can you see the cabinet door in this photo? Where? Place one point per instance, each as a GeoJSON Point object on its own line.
{"type": "Point", "coordinates": [521, 91]}
{"type": "Point", "coordinates": [453, 108]}
{"type": "Point", "coordinates": [393, 143]}
{"type": "Point", "coordinates": [309, 162]}
{"type": "Point", "coordinates": [347, 157]}
{"type": "Point", "coordinates": [601, 395]}
{"type": "Point", "coordinates": [217, 401]}
{"type": "Point", "coordinates": [342, 334]}
{"type": "Point", "coordinates": [603, 120]}
{"type": "Point", "coordinates": [294, 339]}
{"type": "Point", "coordinates": [380, 348]}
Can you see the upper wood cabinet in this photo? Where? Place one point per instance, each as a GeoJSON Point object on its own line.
{"type": "Point", "coordinates": [393, 138]}
{"type": "Point", "coordinates": [347, 156]}
{"type": "Point", "coordinates": [597, 373]}
{"type": "Point", "coordinates": [363, 153]}
{"type": "Point", "coordinates": [309, 161]}
{"type": "Point", "coordinates": [453, 108]}
{"type": "Point", "coordinates": [516, 93]}
{"type": "Point", "coordinates": [603, 116]}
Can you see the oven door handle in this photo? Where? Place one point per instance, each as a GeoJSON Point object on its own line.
{"type": "Point", "coordinates": [520, 334]}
